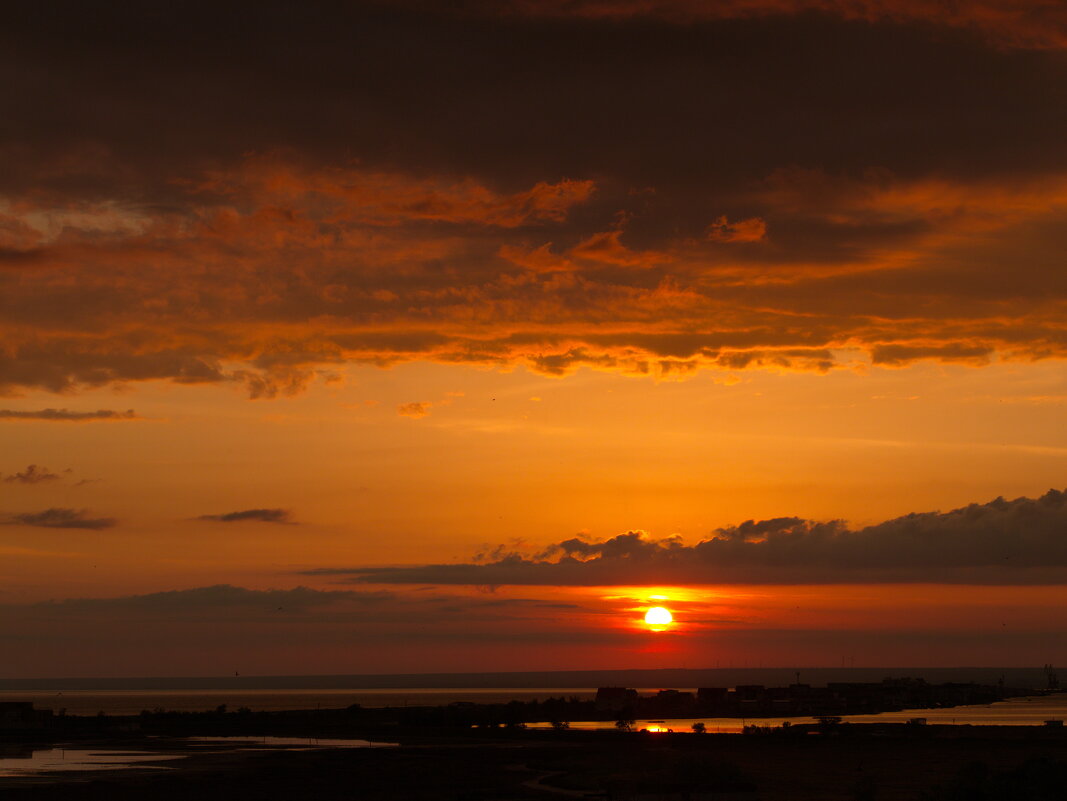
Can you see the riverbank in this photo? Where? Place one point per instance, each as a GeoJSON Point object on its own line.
{"type": "Point", "coordinates": [530, 764]}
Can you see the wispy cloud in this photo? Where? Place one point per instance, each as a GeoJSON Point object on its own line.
{"type": "Point", "coordinates": [59, 518]}
{"type": "Point", "coordinates": [415, 409]}
{"type": "Point", "coordinates": [220, 596]}
{"type": "Point", "coordinates": [68, 415]}
{"type": "Point", "coordinates": [252, 516]}
{"type": "Point", "coordinates": [31, 475]}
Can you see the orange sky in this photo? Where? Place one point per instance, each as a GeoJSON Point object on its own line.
{"type": "Point", "coordinates": [361, 318]}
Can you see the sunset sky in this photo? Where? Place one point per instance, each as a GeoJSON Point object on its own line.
{"type": "Point", "coordinates": [419, 337]}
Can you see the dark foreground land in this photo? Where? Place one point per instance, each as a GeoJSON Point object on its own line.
{"type": "Point", "coordinates": [850, 763]}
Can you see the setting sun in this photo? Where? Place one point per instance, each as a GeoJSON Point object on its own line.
{"type": "Point", "coordinates": [658, 618]}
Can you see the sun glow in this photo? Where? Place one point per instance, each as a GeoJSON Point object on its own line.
{"type": "Point", "coordinates": [657, 728]}
{"type": "Point", "coordinates": [658, 618]}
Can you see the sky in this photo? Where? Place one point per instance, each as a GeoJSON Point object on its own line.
{"type": "Point", "coordinates": [422, 337]}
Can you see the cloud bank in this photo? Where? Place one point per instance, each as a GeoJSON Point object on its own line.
{"type": "Point", "coordinates": [278, 630]}
{"type": "Point", "coordinates": [1023, 541]}
{"type": "Point", "coordinates": [205, 630]}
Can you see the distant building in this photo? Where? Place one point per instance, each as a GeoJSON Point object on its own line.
{"type": "Point", "coordinates": [750, 692]}
{"type": "Point", "coordinates": [672, 702]}
{"type": "Point", "coordinates": [615, 699]}
{"type": "Point", "coordinates": [712, 695]}
{"type": "Point", "coordinates": [22, 715]}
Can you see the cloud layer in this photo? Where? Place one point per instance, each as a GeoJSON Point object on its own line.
{"type": "Point", "coordinates": [654, 199]}
{"type": "Point", "coordinates": [1023, 541]}
{"type": "Point", "coordinates": [204, 630]}
{"type": "Point", "coordinates": [272, 630]}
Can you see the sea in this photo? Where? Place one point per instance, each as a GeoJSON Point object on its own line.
{"type": "Point", "coordinates": [1025, 711]}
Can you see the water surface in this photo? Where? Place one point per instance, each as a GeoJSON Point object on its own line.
{"type": "Point", "coordinates": [1028, 711]}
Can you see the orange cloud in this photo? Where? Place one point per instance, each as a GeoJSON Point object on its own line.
{"type": "Point", "coordinates": [751, 230]}
{"type": "Point", "coordinates": [606, 247]}
{"type": "Point", "coordinates": [541, 260]}
{"type": "Point", "coordinates": [414, 410]}
{"type": "Point", "coordinates": [271, 277]}
{"type": "Point", "coordinates": [376, 198]}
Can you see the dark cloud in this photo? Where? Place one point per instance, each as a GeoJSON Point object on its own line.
{"type": "Point", "coordinates": [252, 515]}
{"type": "Point", "coordinates": [300, 598]}
{"type": "Point", "coordinates": [66, 415]}
{"type": "Point", "coordinates": [31, 475]}
{"type": "Point", "coordinates": [219, 596]}
{"type": "Point", "coordinates": [654, 198]}
{"type": "Point", "coordinates": [1010, 23]}
{"type": "Point", "coordinates": [402, 69]}
{"type": "Point", "coordinates": [898, 355]}
{"type": "Point", "coordinates": [1023, 541]}
{"type": "Point", "coordinates": [58, 518]}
